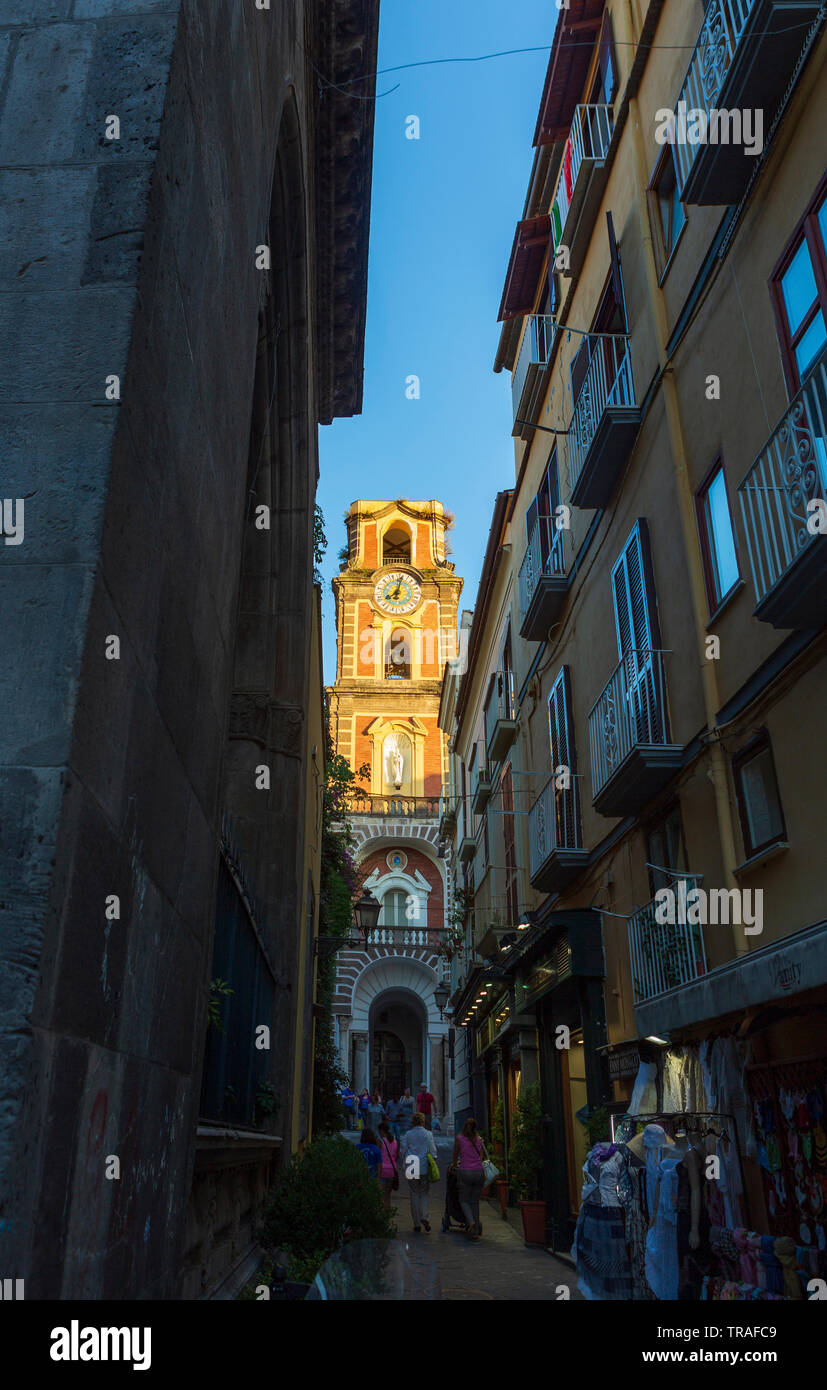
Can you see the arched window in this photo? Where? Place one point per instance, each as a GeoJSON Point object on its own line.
{"type": "Point", "coordinates": [396, 544]}
{"type": "Point", "coordinates": [393, 909]}
{"type": "Point", "coordinates": [398, 655]}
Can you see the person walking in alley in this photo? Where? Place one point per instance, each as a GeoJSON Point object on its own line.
{"type": "Point", "coordinates": [407, 1106]}
{"type": "Point", "coordinates": [389, 1170]}
{"type": "Point", "coordinates": [370, 1151]}
{"type": "Point", "coordinates": [392, 1112]}
{"type": "Point", "coordinates": [349, 1106]}
{"type": "Point", "coordinates": [469, 1151]}
{"type": "Point", "coordinates": [413, 1153]}
{"type": "Point", "coordinates": [375, 1113]}
{"type": "Point", "coordinates": [425, 1104]}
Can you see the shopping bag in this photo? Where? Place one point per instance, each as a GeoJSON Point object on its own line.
{"type": "Point", "coordinates": [433, 1169]}
{"type": "Point", "coordinates": [490, 1170]}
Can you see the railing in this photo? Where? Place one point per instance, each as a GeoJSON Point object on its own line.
{"type": "Point", "coordinates": [406, 807]}
{"type": "Point", "coordinates": [631, 711]}
{"type": "Point", "coordinates": [789, 472]}
{"type": "Point", "coordinates": [721, 32]}
{"type": "Point", "coordinates": [664, 954]}
{"type": "Point", "coordinates": [608, 382]}
{"type": "Point", "coordinates": [544, 555]}
{"type": "Point", "coordinates": [589, 138]}
{"type": "Point", "coordinates": [535, 350]}
{"type": "Point", "coordinates": [397, 670]}
{"type": "Point", "coordinates": [500, 702]}
{"type": "Point", "coordinates": [406, 936]}
{"type": "Point", "coordinates": [553, 823]}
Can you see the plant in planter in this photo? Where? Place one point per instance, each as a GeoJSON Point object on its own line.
{"type": "Point", "coordinates": [497, 1147]}
{"type": "Point", "coordinates": [525, 1159]}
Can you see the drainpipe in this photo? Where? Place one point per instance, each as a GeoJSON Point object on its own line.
{"type": "Point", "coordinates": [717, 771]}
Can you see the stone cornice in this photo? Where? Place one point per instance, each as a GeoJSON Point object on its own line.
{"type": "Point", "coordinates": [345, 37]}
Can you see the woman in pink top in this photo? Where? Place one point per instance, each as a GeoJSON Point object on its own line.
{"type": "Point", "coordinates": [390, 1163]}
{"type": "Point", "coordinates": [469, 1151]}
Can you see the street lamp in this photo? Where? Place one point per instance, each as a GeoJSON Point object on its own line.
{"type": "Point", "coordinates": [366, 913]}
{"type": "Point", "coordinates": [441, 996]}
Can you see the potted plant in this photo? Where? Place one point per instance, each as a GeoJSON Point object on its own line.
{"type": "Point", "coordinates": [498, 1155]}
{"type": "Point", "coordinates": [525, 1159]}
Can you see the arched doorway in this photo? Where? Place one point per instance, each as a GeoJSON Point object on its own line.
{"type": "Point", "coordinates": [398, 1037]}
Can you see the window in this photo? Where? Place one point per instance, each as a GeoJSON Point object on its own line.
{"type": "Point", "coordinates": [638, 636]}
{"type": "Point", "coordinates": [605, 82]}
{"type": "Point", "coordinates": [394, 905]}
{"type": "Point", "coordinates": [799, 290]}
{"type": "Point", "coordinates": [509, 837]}
{"type": "Point", "coordinates": [664, 850]}
{"type": "Point", "coordinates": [396, 545]}
{"type": "Point", "coordinates": [671, 211]}
{"type": "Point", "coordinates": [762, 820]}
{"type": "Point", "coordinates": [720, 560]}
{"type": "Point", "coordinates": [541, 512]}
{"type": "Point", "coordinates": [398, 655]}
{"type": "Point", "coordinates": [561, 739]}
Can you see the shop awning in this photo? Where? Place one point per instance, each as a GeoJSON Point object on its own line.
{"type": "Point", "coordinates": [571, 54]}
{"type": "Point", "coordinates": [531, 242]}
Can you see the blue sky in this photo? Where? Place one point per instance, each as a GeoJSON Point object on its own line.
{"type": "Point", "coordinates": [443, 218]}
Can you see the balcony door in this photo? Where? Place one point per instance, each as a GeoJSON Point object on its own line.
{"type": "Point", "coordinates": [541, 512]}
{"type": "Point", "coordinates": [561, 738]}
{"type": "Point", "coordinates": [638, 638]}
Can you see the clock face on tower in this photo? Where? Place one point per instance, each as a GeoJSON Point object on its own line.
{"type": "Point", "coordinates": [397, 593]}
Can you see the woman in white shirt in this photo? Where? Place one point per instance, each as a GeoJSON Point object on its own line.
{"type": "Point", "coordinates": [413, 1154]}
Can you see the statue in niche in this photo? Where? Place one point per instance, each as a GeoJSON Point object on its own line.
{"type": "Point", "coordinates": [395, 760]}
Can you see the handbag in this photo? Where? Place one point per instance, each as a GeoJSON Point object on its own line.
{"type": "Point", "coordinates": [490, 1170]}
{"type": "Point", "coordinates": [433, 1169]}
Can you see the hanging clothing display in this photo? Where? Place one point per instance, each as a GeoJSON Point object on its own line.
{"type": "Point", "coordinates": [789, 1105]}
{"type": "Point", "coordinates": [662, 1237]}
{"type": "Point", "coordinates": [599, 1250]}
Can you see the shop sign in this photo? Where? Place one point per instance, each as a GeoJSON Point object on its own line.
{"type": "Point", "coordinates": [786, 973]}
{"type": "Point", "coordinates": [624, 1063]}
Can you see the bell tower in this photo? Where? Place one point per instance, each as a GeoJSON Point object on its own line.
{"type": "Point", "coordinates": [396, 622]}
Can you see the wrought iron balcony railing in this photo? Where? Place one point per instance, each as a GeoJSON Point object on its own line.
{"type": "Point", "coordinates": [530, 368]}
{"type": "Point", "coordinates": [543, 579]}
{"type": "Point", "coordinates": [556, 853]}
{"type": "Point", "coordinates": [745, 56]}
{"type": "Point", "coordinates": [631, 753]}
{"type": "Point", "coordinates": [788, 561]}
{"type": "Point", "coordinates": [578, 189]}
{"type": "Point", "coordinates": [604, 422]}
{"type": "Point", "coordinates": [394, 807]}
{"type": "Point", "coordinates": [664, 955]}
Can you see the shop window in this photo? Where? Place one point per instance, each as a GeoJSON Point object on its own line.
{"type": "Point", "coordinates": [799, 290]}
{"type": "Point", "coordinates": [759, 805]}
{"type": "Point", "coordinates": [665, 195]}
{"type": "Point", "coordinates": [720, 561]}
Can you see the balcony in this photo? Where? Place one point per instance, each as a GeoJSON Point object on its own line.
{"type": "Point", "coordinates": [631, 753]}
{"type": "Point", "coordinates": [448, 819]}
{"type": "Point", "coordinates": [556, 853]}
{"type": "Point", "coordinates": [664, 955]}
{"type": "Point", "coordinates": [789, 564]}
{"type": "Point", "coordinates": [481, 794]}
{"type": "Point", "coordinates": [530, 372]}
{"type": "Point", "coordinates": [399, 937]}
{"type": "Point", "coordinates": [744, 59]}
{"type": "Point", "coordinates": [467, 849]}
{"type": "Point", "coordinates": [395, 807]}
{"type": "Point", "coordinates": [500, 724]}
{"type": "Point", "coordinates": [543, 580]}
{"type": "Point", "coordinates": [604, 424]}
{"type": "Point", "coordinates": [581, 181]}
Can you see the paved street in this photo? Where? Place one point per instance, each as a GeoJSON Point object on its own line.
{"type": "Point", "coordinates": [498, 1266]}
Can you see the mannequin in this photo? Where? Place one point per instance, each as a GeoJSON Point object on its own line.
{"type": "Point", "coordinates": [638, 1147]}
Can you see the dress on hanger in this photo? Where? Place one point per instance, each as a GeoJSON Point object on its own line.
{"type": "Point", "coordinates": [662, 1270]}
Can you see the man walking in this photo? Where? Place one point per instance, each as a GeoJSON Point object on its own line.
{"type": "Point", "coordinates": [425, 1104]}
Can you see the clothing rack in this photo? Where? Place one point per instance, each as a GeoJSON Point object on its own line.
{"type": "Point", "coordinates": [654, 1117]}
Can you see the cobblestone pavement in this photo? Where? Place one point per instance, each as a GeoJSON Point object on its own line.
{"type": "Point", "coordinates": [498, 1266]}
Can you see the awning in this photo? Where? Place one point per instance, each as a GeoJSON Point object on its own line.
{"type": "Point", "coordinates": [531, 242]}
{"type": "Point", "coordinates": [574, 37]}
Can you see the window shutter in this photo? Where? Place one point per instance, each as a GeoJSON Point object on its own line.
{"type": "Point", "coordinates": [617, 278]}
{"type": "Point", "coordinates": [579, 367]}
{"type": "Point", "coordinates": [531, 518]}
{"type": "Point", "coordinates": [608, 65]}
{"type": "Point", "coordinates": [634, 595]}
